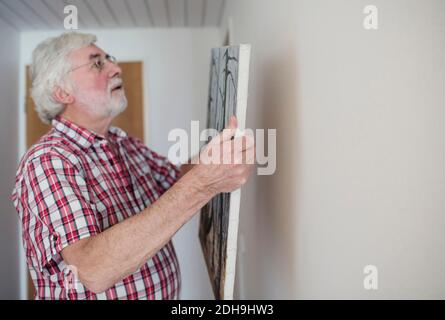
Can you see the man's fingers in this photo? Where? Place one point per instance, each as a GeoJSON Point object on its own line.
{"type": "Point", "coordinates": [245, 142]}
{"type": "Point", "coordinates": [227, 133]}
{"type": "Point", "coordinates": [250, 157]}
{"type": "Point", "coordinates": [230, 130]}
{"type": "Point", "coordinates": [233, 123]}
{"type": "Point", "coordinates": [249, 142]}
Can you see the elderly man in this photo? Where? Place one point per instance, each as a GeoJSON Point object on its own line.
{"type": "Point", "coordinates": [98, 205]}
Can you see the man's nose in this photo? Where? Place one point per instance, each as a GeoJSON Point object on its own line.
{"type": "Point", "coordinates": [114, 70]}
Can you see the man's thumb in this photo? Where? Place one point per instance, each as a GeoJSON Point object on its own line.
{"type": "Point", "coordinates": [230, 129]}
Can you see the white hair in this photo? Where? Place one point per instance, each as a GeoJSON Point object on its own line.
{"type": "Point", "coordinates": [50, 63]}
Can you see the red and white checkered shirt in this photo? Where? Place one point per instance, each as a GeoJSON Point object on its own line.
{"type": "Point", "coordinates": [69, 186]}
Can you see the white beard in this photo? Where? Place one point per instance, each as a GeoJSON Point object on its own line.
{"type": "Point", "coordinates": [116, 105]}
{"type": "Point", "coordinates": [110, 105]}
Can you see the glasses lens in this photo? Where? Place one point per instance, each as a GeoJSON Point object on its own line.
{"type": "Point", "coordinates": [112, 59]}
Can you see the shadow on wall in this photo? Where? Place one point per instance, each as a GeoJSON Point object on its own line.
{"type": "Point", "coordinates": [269, 272]}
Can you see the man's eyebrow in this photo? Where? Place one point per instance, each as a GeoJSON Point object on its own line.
{"type": "Point", "coordinates": [94, 56]}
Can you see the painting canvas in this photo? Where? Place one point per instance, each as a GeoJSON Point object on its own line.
{"type": "Point", "coordinates": [218, 231]}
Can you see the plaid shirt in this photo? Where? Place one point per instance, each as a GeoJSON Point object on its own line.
{"type": "Point", "coordinates": [69, 186]}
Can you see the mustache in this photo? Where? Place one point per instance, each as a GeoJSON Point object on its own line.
{"type": "Point", "coordinates": [114, 83]}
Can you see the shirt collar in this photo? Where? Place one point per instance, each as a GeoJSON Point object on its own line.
{"type": "Point", "coordinates": [84, 137]}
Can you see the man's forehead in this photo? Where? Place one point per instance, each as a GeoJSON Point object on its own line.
{"type": "Point", "coordinates": [86, 53]}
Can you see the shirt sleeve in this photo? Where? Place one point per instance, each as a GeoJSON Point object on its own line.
{"type": "Point", "coordinates": [164, 172]}
{"type": "Point", "coordinates": [57, 206]}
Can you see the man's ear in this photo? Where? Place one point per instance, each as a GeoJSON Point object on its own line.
{"type": "Point", "coordinates": [61, 96]}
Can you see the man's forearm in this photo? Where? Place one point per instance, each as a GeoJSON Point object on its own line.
{"type": "Point", "coordinates": [185, 168]}
{"type": "Point", "coordinates": [108, 257]}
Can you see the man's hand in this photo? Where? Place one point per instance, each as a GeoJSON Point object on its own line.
{"type": "Point", "coordinates": [226, 162]}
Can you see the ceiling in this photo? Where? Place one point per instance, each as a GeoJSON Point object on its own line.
{"type": "Point", "coordinates": [27, 15]}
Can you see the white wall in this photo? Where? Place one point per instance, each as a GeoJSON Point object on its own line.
{"type": "Point", "coordinates": [9, 232]}
{"type": "Point", "coordinates": [176, 73]}
{"type": "Point", "coordinates": [360, 176]}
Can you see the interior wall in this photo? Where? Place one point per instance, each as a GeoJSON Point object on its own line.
{"type": "Point", "coordinates": [360, 176]}
{"type": "Point", "coordinates": [176, 75]}
{"type": "Point", "coordinates": [9, 232]}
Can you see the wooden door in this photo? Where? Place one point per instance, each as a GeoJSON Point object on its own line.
{"type": "Point", "coordinates": [131, 120]}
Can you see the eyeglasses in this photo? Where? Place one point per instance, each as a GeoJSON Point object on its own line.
{"type": "Point", "coordinates": [97, 62]}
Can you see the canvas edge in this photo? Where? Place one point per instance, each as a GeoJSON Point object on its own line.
{"type": "Point", "coordinates": [235, 196]}
{"type": "Point", "coordinates": [205, 254]}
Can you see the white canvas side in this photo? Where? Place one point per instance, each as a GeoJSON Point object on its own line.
{"type": "Point", "coordinates": [235, 196]}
